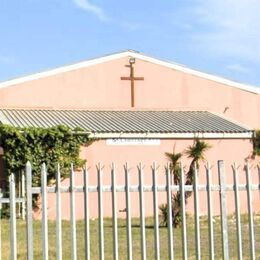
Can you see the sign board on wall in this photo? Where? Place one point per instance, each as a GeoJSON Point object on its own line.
{"type": "Point", "coordinates": [133, 141]}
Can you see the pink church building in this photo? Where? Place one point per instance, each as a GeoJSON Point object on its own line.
{"type": "Point", "coordinates": [138, 107]}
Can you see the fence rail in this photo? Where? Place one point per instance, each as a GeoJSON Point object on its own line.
{"type": "Point", "coordinates": [222, 188]}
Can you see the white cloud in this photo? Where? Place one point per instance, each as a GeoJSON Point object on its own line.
{"type": "Point", "coordinates": [100, 13]}
{"type": "Point", "coordinates": [238, 68]}
{"type": "Point", "coordinates": [227, 27]}
{"type": "Point", "coordinates": [7, 59]}
{"type": "Point", "coordinates": [87, 6]}
{"type": "Point", "coordinates": [131, 26]}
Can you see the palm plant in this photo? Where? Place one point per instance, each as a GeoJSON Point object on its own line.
{"type": "Point", "coordinates": [197, 153]}
{"type": "Point", "coordinates": [174, 158]}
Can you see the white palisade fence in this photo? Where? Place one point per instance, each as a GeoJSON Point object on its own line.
{"type": "Point", "coordinates": [222, 188]}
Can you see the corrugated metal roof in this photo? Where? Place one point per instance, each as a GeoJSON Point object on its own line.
{"type": "Point", "coordinates": [123, 121]}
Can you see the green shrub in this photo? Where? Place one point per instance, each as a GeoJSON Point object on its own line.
{"type": "Point", "coordinates": [41, 145]}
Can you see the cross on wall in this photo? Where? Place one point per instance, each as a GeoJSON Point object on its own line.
{"type": "Point", "coordinates": [132, 78]}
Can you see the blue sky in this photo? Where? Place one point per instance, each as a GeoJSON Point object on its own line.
{"type": "Point", "coordinates": [221, 37]}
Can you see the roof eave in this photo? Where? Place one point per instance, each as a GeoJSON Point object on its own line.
{"type": "Point", "coordinates": [240, 135]}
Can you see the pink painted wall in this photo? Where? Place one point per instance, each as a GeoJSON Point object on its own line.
{"type": "Point", "coordinates": [101, 152]}
{"type": "Point", "coordinates": [100, 87]}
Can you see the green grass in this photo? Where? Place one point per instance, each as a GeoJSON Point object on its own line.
{"type": "Point", "coordinates": [21, 239]}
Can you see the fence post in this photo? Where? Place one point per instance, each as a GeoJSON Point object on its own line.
{"type": "Point", "coordinates": [29, 219]}
{"type": "Point", "coordinates": [72, 216]}
{"type": "Point", "coordinates": [19, 192]}
{"type": "Point", "coordinates": [238, 219]}
{"type": "Point", "coordinates": [12, 218]}
{"type": "Point", "coordinates": [210, 213]}
{"type": "Point", "coordinates": [114, 209]}
{"type": "Point", "coordinates": [197, 216]}
{"type": "Point", "coordinates": [169, 211]}
{"type": "Point", "coordinates": [58, 216]}
{"type": "Point", "coordinates": [128, 214]}
{"type": "Point", "coordinates": [45, 244]}
{"type": "Point", "coordinates": [155, 213]}
{"type": "Point", "coordinates": [1, 196]}
{"type": "Point", "coordinates": [223, 209]}
{"type": "Point", "coordinates": [100, 213]}
{"type": "Point", "coordinates": [183, 215]}
{"type": "Point", "coordinates": [142, 213]}
{"type": "Point", "coordinates": [250, 212]}
{"type": "Point", "coordinates": [86, 213]}
{"type": "Point", "coordinates": [23, 195]}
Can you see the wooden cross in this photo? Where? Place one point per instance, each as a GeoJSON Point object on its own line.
{"type": "Point", "coordinates": [132, 78]}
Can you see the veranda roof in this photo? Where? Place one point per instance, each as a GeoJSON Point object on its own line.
{"type": "Point", "coordinates": [148, 122]}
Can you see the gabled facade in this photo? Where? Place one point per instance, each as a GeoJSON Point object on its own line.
{"type": "Point", "coordinates": [97, 84]}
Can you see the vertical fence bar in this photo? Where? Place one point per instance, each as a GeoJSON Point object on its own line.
{"type": "Point", "coordinates": [169, 213]}
{"type": "Point", "coordinates": [19, 194]}
{"type": "Point", "coordinates": [44, 212]}
{"type": "Point", "coordinates": [238, 219]}
{"type": "Point", "coordinates": [210, 213]}
{"type": "Point", "coordinates": [86, 214]}
{"type": "Point", "coordinates": [114, 209]}
{"type": "Point", "coordinates": [258, 170]}
{"type": "Point", "coordinates": [197, 216]}
{"type": "Point", "coordinates": [100, 213]}
{"type": "Point", "coordinates": [250, 212]}
{"type": "Point", "coordinates": [1, 196]}
{"type": "Point", "coordinates": [58, 216]}
{"type": "Point", "coordinates": [142, 211]}
{"type": "Point", "coordinates": [13, 239]}
{"type": "Point", "coordinates": [183, 215]}
{"type": "Point", "coordinates": [155, 213]}
{"type": "Point", "coordinates": [73, 228]}
{"type": "Point", "coordinates": [223, 210]}
{"type": "Point", "coordinates": [23, 195]}
{"type": "Point", "coordinates": [128, 215]}
{"type": "Point", "coordinates": [29, 220]}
